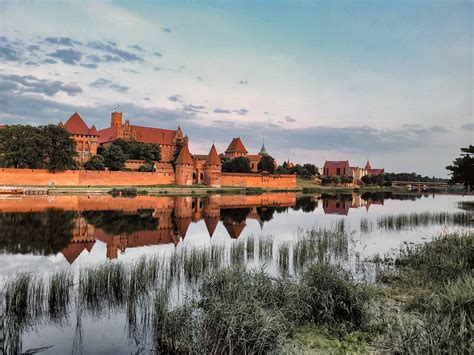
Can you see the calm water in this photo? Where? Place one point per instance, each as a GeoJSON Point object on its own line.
{"type": "Point", "coordinates": [44, 233]}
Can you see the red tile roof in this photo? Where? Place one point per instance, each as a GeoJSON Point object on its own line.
{"type": "Point", "coordinates": [76, 125]}
{"type": "Point", "coordinates": [254, 157]}
{"type": "Point", "coordinates": [235, 230]}
{"type": "Point", "coordinates": [142, 134]}
{"type": "Point", "coordinates": [333, 164]}
{"type": "Point", "coordinates": [184, 156]}
{"type": "Point", "coordinates": [211, 224]}
{"type": "Point", "coordinates": [368, 166]}
{"type": "Point", "coordinates": [236, 146]}
{"type": "Point", "coordinates": [213, 157]}
{"type": "Point", "coordinates": [377, 171]}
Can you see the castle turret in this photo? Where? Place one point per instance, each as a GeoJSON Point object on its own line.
{"type": "Point", "coordinates": [184, 166]}
{"type": "Point", "coordinates": [116, 119]}
{"type": "Point", "coordinates": [213, 169]}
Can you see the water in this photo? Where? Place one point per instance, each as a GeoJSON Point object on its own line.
{"type": "Point", "coordinates": [47, 233]}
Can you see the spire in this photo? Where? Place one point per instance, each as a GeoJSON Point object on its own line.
{"type": "Point", "coordinates": [213, 157]}
{"type": "Point", "coordinates": [184, 156]}
{"type": "Point", "coordinates": [263, 151]}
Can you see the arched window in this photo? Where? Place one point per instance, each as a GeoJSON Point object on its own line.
{"type": "Point", "coordinates": [201, 176]}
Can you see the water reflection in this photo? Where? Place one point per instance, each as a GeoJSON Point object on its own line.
{"type": "Point", "coordinates": [41, 225]}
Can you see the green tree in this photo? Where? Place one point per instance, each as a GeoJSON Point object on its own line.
{"type": "Point", "coordinates": [267, 163]}
{"type": "Point", "coordinates": [346, 179]}
{"type": "Point", "coordinates": [281, 169]}
{"type": "Point", "coordinates": [237, 165]}
{"type": "Point", "coordinates": [462, 169]}
{"type": "Point", "coordinates": [46, 147]}
{"type": "Point", "coordinates": [150, 152]}
{"type": "Point", "coordinates": [147, 168]}
{"type": "Point", "coordinates": [22, 147]}
{"type": "Point", "coordinates": [114, 158]}
{"type": "Point", "coordinates": [96, 162]}
{"type": "Point", "coordinates": [61, 149]}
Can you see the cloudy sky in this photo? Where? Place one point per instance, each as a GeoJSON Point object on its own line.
{"type": "Point", "coordinates": [387, 81]}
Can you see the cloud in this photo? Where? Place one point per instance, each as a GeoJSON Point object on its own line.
{"type": "Point", "coordinates": [104, 83]}
{"type": "Point", "coordinates": [67, 56]}
{"type": "Point", "coordinates": [193, 108]}
{"type": "Point", "coordinates": [49, 61]}
{"type": "Point", "coordinates": [112, 49]}
{"type": "Point", "coordinates": [89, 65]}
{"type": "Point", "coordinates": [243, 82]}
{"type": "Point", "coordinates": [8, 85]}
{"type": "Point", "coordinates": [137, 47]}
{"type": "Point", "coordinates": [158, 54]}
{"type": "Point", "coordinates": [31, 63]}
{"type": "Point", "coordinates": [33, 47]}
{"type": "Point", "coordinates": [30, 83]}
{"type": "Point", "coordinates": [175, 98]}
{"type": "Point", "coordinates": [166, 29]}
{"type": "Point", "coordinates": [241, 111]}
{"type": "Point", "coordinates": [467, 126]}
{"type": "Point", "coordinates": [289, 119]}
{"type": "Point", "coordinates": [221, 110]}
{"type": "Point", "coordinates": [199, 78]}
{"type": "Point", "coordinates": [8, 53]}
{"type": "Point", "coordinates": [63, 41]}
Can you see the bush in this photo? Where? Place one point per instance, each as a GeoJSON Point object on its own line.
{"type": "Point", "coordinates": [147, 168]}
{"type": "Point", "coordinates": [95, 163]}
{"type": "Point", "coordinates": [333, 297]}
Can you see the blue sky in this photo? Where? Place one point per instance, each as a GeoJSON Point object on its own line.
{"type": "Point", "coordinates": [389, 81]}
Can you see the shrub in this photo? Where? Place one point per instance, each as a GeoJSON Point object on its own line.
{"type": "Point", "coordinates": [96, 162]}
{"type": "Point", "coordinates": [333, 297]}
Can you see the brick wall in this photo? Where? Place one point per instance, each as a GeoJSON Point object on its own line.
{"type": "Point", "coordinates": [162, 176]}
{"type": "Point", "coordinates": [18, 177]}
{"type": "Point", "coordinates": [258, 180]}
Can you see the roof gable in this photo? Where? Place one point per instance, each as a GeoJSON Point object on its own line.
{"type": "Point", "coordinates": [213, 157]}
{"type": "Point", "coordinates": [76, 125]}
{"type": "Point", "coordinates": [184, 156]}
{"type": "Point", "coordinates": [336, 164]}
{"type": "Point", "coordinates": [236, 146]}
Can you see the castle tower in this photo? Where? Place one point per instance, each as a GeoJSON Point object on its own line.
{"type": "Point", "coordinates": [116, 119]}
{"type": "Point", "coordinates": [212, 213]}
{"type": "Point", "coordinates": [184, 167]}
{"type": "Point", "coordinates": [213, 169]}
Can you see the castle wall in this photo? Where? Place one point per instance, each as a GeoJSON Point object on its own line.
{"type": "Point", "coordinates": [259, 180]}
{"type": "Point", "coordinates": [19, 177]}
{"type": "Point", "coordinates": [163, 176]}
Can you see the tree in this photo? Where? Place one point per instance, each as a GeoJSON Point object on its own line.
{"type": "Point", "coordinates": [45, 147]}
{"type": "Point", "coordinates": [267, 163]}
{"type": "Point", "coordinates": [346, 179]}
{"type": "Point", "coordinates": [114, 158]}
{"type": "Point", "coordinates": [150, 152]}
{"type": "Point", "coordinates": [462, 169]}
{"type": "Point", "coordinates": [236, 165]}
{"type": "Point", "coordinates": [139, 150]}
{"type": "Point", "coordinates": [96, 162]}
{"type": "Point", "coordinates": [282, 169]}
{"type": "Point", "coordinates": [61, 148]}
{"type": "Point", "coordinates": [147, 168]}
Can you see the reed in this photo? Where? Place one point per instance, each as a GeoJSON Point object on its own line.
{"type": "Point", "coordinates": [284, 257]}
{"type": "Point", "coordinates": [250, 247]}
{"type": "Point", "coordinates": [265, 248]}
{"type": "Point", "coordinates": [237, 252]}
{"type": "Point", "coordinates": [404, 221]}
{"type": "Point", "coordinates": [59, 296]}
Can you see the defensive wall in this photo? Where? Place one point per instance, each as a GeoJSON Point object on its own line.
{"type": "Point", "coordinates": [163, 176]}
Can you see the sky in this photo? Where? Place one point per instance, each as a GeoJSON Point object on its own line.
{"type": "Point", "coordinates": [315, 80]}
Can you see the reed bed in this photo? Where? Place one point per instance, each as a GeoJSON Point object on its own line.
{"type": "Point", "coordinates": [284, 257]}
{"type": "Point", "coordinates": [265, 249]}
{"type": "Point", "coordinates": [250, 248]}
{"type": "Point", "coordinates": [237, 252]}
{"type": "Point", "coordinates": [405, 221]}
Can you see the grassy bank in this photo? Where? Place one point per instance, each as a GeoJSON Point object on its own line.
{"type": "Point", "coordinates": [309, 186]}
{"type": "Point", "coordinates": [422, 301]}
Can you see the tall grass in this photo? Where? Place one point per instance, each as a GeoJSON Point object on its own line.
{"type": "Point", "coordinates": [404, 221]}
{"type": "Point", "coordinates": [265, 248]}
{"type": "Point", "coordinates": [284, 257]}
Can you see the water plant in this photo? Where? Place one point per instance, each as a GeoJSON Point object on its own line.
{"type": "Point", "coordinates": [415, 219]}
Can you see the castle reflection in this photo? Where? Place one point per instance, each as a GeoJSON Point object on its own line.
{"type": "Point", "coordinates": [45, 225]}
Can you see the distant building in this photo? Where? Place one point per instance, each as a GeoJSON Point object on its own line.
{"type": "Point", "coordinates": [236, 149]}
{"type": "Point", "coordinates": [341, 168]}
{"type": "Point", "coordinates": [169, 140]}
{"type": "Point", "coordinates": [87, 139]}
{"type": "Point", "coordinates": [336, 168]}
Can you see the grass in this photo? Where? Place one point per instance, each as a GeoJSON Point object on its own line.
{"type": "Point", "coordinates": [404, 221]}
{"type": "Point", "coordinates": [316, 307]}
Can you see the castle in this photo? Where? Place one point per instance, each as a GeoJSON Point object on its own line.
{"type": "Point", "coordinates": [342, 168]}
{"type": "Point", "coordinates": [187, 169]}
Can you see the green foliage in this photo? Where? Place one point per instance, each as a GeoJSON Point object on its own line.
{"type": "Point", "coordinates": [114, 158]}
{"type": "Point", "coordinates": [412, 177]}
{"type": "Point", "coordinates": [45, 147]}
{"type": "Point", "coordinates": [462, 169]}
{"type": "Point", "coordinates": [306, 171]}
{"type": "Point", "coordinates": [236, 165]}
{"type": "Point", "coordinates": [379, 180]}
{"type": "Point", "coordinates": [346, 179]}
{"type": "Point", "coordinates": [138, 150]}
{"type": "Point", "coordinates": [147, 168]}
{"type": "Point", "coordinates": [97, 162]}
{"type": "Point", "coordinates": [267, 163]}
